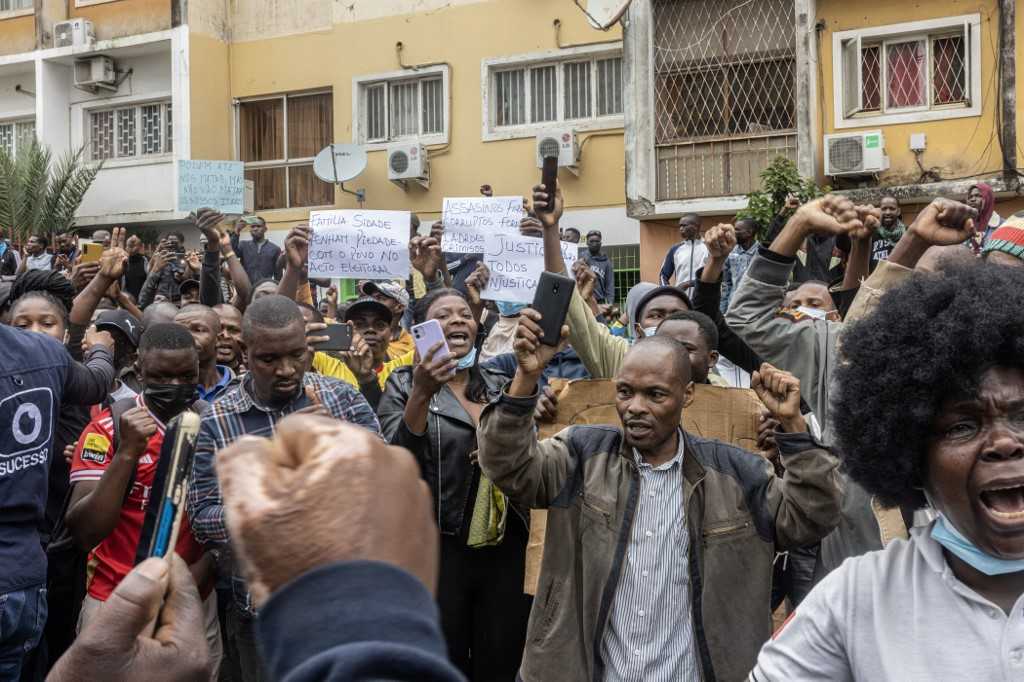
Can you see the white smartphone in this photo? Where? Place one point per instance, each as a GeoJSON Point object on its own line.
{"type": "Point", "coordinates": [428, 335]}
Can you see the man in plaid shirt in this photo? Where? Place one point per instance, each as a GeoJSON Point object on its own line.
{"type": "Point", "coordinates": [277, 355]}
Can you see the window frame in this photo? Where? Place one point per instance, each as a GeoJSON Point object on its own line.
{"type": "Point", "coordinates": [15, 120]}
{"type": "Point", "coordinates": [136, 103]}
{"type": "Point", "coordinates": [20, 12]}
{"type": "Point", "coordinates": [285, 162]}
{"type": "Point", "coordinates": [360, 84]}
{"type": "Point", "coordinates": [847, 116]}
{"type": "Point", "coordinates": [491, 132]}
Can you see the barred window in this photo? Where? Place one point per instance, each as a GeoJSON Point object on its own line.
{"type": "Point", "coordinates": [402, 108]}
{"type": "Point", "coordinates": [16, 135]}
{"type": "Point", "coordinates": [14, 5]}
{"type": "Point", "coordinates": [572, 90]}
{"type": "Point", "coordinates": [130, 132]}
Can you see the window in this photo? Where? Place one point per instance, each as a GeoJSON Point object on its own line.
{"type": "Point", "coordinates": [579, 88]}
{"type": "Point", "coordinates": [16, 6]}
{"type": "Point", "coordinates": [915, 68]}
{"type": "Point", "coordinates": [399, 107]}
{"type": "Point", "coordinates": [130, 132]}
{"type": "Point", "coordinates": [16, 135]}
{"type": "Point", "coordinates": [278, 138]}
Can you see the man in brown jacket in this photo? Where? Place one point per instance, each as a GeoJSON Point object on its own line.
{"type": "Point", "coordinates": [659, 547]}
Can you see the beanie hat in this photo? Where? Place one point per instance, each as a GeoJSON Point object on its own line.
{"type": "Point", "coordinates": [1008, 238]}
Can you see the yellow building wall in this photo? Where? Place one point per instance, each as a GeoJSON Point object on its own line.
{"type": "Point", "coordinates": [211, 126]}
{"type": "Point", "coordinates": [463, 36]}
{"type": "Point", "coordinates": [17, 34]}
{"type": "Point", "coordinates": [125, 17]}
{"type": "Point", "coordinates": [958, 147]}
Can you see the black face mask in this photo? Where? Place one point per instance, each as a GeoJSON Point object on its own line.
{"type": "Point", "coordinates": [170, 400]}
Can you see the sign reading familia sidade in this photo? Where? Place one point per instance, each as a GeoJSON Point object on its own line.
{"type": "Point", "coordinates": [359, 244]}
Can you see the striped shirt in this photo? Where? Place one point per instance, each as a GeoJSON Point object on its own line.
{"type": "Point", "coordinates": [237, 413]}
{"type": "Point", "coordinates": [650, 633]}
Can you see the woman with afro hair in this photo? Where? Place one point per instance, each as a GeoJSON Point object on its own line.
{"type": "Point", "coordinates": [929, 410]}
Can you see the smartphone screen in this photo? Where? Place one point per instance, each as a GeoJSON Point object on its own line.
{"type": "Point", "coordinates": [170, 485]}
{"type": "Point", "coordinates": [427, 335]}
{"type": "Point", "coordinates": [549, 178]}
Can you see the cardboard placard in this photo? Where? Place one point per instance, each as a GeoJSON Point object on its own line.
{"type": "Point", "coordinates": [359, 244]}
{"type": "Point", "coordinates": [730, 415]}
{"type": "Point", "coordinates": [515, 263]}
{"type": "Point", "coordinates": [211, 184]}
{"type": "Point", "coordinates": [468, 220]}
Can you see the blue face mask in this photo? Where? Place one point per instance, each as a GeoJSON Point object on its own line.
{"type": "Point", "coordinates": [944, 533]}
{"type": "Point", "coordinates": [509, 308]}
{"type": "Point", "coordinates": [467, 360]}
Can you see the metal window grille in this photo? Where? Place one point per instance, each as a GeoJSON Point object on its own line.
{"type": "Point", "coordinates": [509, 98]}
{"type": "Point", "coordinates": [949, 71]}
{"type": "Point", "coordinates": [871, 78]}
{"type": "Point", "coordinates": [577, 90]}
{"type": "Point", "coordinates": [609, 86]}
{"type": "Point", "coordinates": [376, 112]}
{"type": "Point", "coordinates": [101, 134]}
{"type": "Point", "coordinates": [543, 94]}
{"type": "Point", "coordinates": [7, 138]}
{"type": "Point", "coordinates": [152, 129]}
{"type": "Point", "coordinates": [169, 121]}
{"type": "Point", "coordinates": [11, 5]}
{"type": "Point", "coordinates": [906, 74]}
{"type": "Point", "coordinates": [725, 93]}
{"type": "Point", "coordinates": [24, 134]}
{"type": "Point", "coordinates": [126, 132]}
{"type": "Point", "coordinates": [402, 109]}
{"type": "Point", "coordinates": [432, 106]}
{"type": "Point", "coordinates": [626, 261]}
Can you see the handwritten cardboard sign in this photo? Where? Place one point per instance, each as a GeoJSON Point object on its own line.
{"type": "Point", "coordinates": [359, 244]}
{"type": "Point", "coordinates": [515, 263]}
{"type": "Point", "coordinates": [468, 220]}
{"type": "Point", "coordinates": [211, 184]}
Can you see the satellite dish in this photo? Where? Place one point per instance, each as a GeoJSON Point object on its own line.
{"type": "Point", "coordinates": [339, 162]}
{"type": "Point", "coordinates": [604, 14]}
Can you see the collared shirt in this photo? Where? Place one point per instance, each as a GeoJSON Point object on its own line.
{"type": "Point", "coordinates": [238, 413]}
{"type": "Point", "coordinates": [897, 614]}
{"type": "Point", "coordinates": [683, 261]}
{"type": "Point", "coordinates": [735, 265]}
{"type": "Point", "coordinates": [227, 376]}
{"type": "Point", "coordinates": [650, 633]}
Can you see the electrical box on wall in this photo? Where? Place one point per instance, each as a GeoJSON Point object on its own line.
{"type": "Point", "coordinates": [918, 142]}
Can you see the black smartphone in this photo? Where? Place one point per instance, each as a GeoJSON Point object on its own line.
{"type": "Point", "coordinates": [340, 338]}
{"type": "Point", "coordinates": [554, 293]}
{"type": "Point", "coordinates": [549, 178]}
{"type": "Point", "coordinates": [170, 486]}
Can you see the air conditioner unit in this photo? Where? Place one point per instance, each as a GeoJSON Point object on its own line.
{"type": "Point", "coordinates": [860, 153]}
{"type": "Point", "coordinates": [560, 143]}
{"type": "Point", "coordinates": [78, 33]}
{"type": "Point", "coordinates": [95, 72]}
{"type": "Point", "coordinates": [408, 161]}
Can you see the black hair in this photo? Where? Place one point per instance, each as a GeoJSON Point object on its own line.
{"type": "Point", "coordinates": [707, 328]}
{"type": "Point", "coordinates": [476, 387]}
{"type": "Point", "coordinates": [261, 282]}
{"type": "Point", "coordinates": [680, 356]}
{"type": "Point", "coordinates": [317, 315]}
{"type": "Point", "coordinates": [166, 336]}
{"type": "Point", "coordinates": [889, 195]}
{"type": "Point", "coordinates": [124, 351]}
{"type": "Point", "coordinates": [695, 216]}
{"type": "Point", "coordinates": [576, 230]}
{"type": "Point", "coordinates": [200, 308]}
{"type": "Point", "coordinates": [49, 282]}
{"type": "Point", "coordinates": [42, 240]}
{"type": "Point", "coordinates": [157, 310]}
{"type": "Point", "coordinates": [928, 341]}
{"type": "Point", "coordinates": [793, 286]}
{"type": "Point", "coordinates": [271, 312]}
{"type": "Point", "coordinates": [62, 312]}
{"type": "Point", "coordinates": [593, 233]}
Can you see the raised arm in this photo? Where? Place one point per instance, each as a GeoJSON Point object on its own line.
{"type": "Point", "coordinates": [112, 264]}
{"type": "Point", "coordinates": [206, 221]}
{"type": "Point", "coordinates": [296, 246]}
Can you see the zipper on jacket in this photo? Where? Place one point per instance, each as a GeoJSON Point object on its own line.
{"type": "Point", "coordinates": [725, 531]}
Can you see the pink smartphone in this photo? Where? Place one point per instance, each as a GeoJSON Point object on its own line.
{"type": "Point", "coordinates": [428, 335]}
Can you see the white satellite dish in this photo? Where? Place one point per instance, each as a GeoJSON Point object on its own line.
{"type": "Point", "coordinates": [339, 162]}
{"type": "Point", "coordinates": [604, 14]}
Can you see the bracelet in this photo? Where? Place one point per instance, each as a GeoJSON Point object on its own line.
{"type": "Point", "coordinates": [230, 254]}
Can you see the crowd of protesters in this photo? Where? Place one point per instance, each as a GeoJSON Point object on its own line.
{"type": "Point", "coordinates": [366, 514]}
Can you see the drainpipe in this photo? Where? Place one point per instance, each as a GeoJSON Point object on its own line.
{"type": "Point", "coordinates": [1008, 86]}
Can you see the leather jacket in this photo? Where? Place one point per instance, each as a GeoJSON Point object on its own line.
{"type": "Point", "coordinates": [443, 452]}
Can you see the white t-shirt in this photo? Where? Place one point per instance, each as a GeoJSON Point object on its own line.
{"type": "Point", "coordinates": [896, 614]}
{"type": "Point", "coordinates": [689, 257]}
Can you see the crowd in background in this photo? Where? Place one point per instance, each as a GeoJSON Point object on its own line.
{"type": "Point", "coordinates": [883, 509]}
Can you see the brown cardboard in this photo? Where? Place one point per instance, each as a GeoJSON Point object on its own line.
{"type": "Point", "coordinates": [726, 414]}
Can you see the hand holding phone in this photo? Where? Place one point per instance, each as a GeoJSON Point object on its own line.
{"type": "Point", "coordinates": [435, 365]}
{"type": "Point", "coordinates": [91, 252]}
{"type": "Point", "coordinates": [427, 335]}
{"type": "Point", "coordinates": [339, 338]}
{"type": "Point", "coordinates": [551, 300]}
{"type": "Point", "coordinates": [548, 178]}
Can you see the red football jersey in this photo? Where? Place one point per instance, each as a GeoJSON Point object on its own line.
{"type": "Point", "coordinates": [112, 559]}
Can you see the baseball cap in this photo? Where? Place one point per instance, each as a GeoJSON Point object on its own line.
{"type": "Point", "coordinates": [395, 292]}
{"type": "Point", "coordinates": [122, 321]}
{"type": "Point", "coordinates": [367, 304]}
{"type": "Point", "coordinates": [252, 220]}
{"type": "Point", "coordinates": [188, 284]}
{"type": "Point", "coordinates": [644, 292]}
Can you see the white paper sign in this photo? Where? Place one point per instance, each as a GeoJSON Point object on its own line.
{"type": "Point", "coordinates": [359, 244]}
{"type": "Point", "coordinates": [468, 220]}
{"type": "Point", "coordinates": [211, 184]}
{"type": "Point", "coordinates": [515, 263]}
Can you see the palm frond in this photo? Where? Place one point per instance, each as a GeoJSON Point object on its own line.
{"type": "Point", "coordinates": [73, 194]}
{"type": "Point", "coordinates": [8, 190]}
{"type": "Point", "coordinates": [60, 176]}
